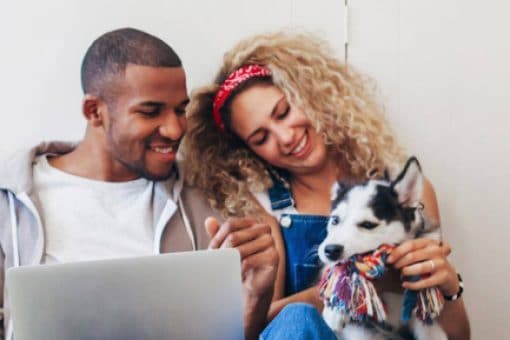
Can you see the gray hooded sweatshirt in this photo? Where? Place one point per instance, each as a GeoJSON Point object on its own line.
{"type": "Point", "coordinates": [22, 231]}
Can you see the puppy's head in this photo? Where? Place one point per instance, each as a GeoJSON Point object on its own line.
{"type": "Point", "coordinates": [366, 215]}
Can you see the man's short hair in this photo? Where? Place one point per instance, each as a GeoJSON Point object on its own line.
{"type": "Point", "coordinates": [109, 55]}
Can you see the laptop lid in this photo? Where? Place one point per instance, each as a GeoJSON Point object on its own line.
{"type": "Point", "coordinates": [190, 295]}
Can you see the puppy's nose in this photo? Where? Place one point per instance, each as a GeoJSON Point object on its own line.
{"type": "Point", "coordinates": [333, 251]}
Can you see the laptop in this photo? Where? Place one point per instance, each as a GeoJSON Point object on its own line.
{"type": "Point", "coordinates": [189, 295]}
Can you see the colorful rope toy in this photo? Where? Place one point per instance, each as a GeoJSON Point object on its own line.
{"type": "Point", "coordinates": [347, 288]}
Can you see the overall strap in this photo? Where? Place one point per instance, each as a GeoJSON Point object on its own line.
{"type": "Point", "coordinates": [280, 195]}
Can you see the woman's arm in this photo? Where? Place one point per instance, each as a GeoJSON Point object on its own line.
{"type": "Point", "coordinates": [414, 257]}
{"type": "Point", "coordinates": [310, 295]}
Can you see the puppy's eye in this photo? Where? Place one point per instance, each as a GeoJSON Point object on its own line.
{"type": "Point", "coordinates": [368, 225]}
{"type": "Point", "coordinates": [334, 220]}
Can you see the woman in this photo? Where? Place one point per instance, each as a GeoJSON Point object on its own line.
{"type": "Point", "coordinates": [282, 122]}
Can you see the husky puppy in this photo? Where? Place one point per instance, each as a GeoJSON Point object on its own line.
{"type": "Point", "coordinates": [365, 216]}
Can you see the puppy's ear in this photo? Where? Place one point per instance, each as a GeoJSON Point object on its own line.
{"type": "Point", "coordinates": [409, 183]}
{"type": "Point", "coordinates": [387, 175]}
{"type": "Point", "coordinates": [338, 193]}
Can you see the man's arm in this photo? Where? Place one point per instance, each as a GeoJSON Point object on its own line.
{"type": "Point", "coordinates": [259, 264]}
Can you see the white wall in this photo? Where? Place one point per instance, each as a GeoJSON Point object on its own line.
{"type": "Point", "coordinates": [442, 67]}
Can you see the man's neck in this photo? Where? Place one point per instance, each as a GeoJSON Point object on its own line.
{"type": "Point", "coordinates": [89, 160]}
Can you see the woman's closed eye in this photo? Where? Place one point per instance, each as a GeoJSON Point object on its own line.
{"type": "Point", "coordinates": [284, 113]}
{"type": "Point", "coordinates": [260, 139]}
{"type": "Point", "coordinates": [180, 111]}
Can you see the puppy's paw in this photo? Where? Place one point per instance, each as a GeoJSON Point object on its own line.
{"type": "Point", "coordinates": [334, 319]}
{"type": "Point", "coordinates": [423, 331]}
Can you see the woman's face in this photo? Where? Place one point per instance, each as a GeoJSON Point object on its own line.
{"type": "Point", "coordinates": [278, 132]}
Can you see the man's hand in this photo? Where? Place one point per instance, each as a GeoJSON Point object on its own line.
{"type": "Point", "coordinates": [259, 263]}
{"type": "Point", "coordinates": [259, 259]}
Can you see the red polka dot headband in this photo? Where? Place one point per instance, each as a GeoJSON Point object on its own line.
{"type": "Point", "coordinates": [236, 78]}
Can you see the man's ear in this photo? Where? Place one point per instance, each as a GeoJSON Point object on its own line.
{"type": "Point", "coordinates": [409, 183]}
{"type": "Point", "coordinates": [93, 109]}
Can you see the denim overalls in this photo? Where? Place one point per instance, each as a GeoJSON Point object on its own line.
{"type": "Point", "coordinates": [302, 235]}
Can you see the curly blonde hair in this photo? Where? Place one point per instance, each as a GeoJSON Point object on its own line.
{"type": "Point", "coordinates": [336, 99]}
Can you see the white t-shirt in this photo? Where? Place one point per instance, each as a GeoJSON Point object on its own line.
{"type": "Point", "coordinates": [86, 219]}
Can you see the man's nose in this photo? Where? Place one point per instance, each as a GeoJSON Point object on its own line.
{"type": "Point", "coordinates": [172, 126]}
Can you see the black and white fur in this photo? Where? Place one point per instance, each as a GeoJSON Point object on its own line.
{"type": "Point", "coordinates": [363, 217]}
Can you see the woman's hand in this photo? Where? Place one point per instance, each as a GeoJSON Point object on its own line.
{"type": "Point", "coordinates": [425, 256]}
{"type": "Point", "coordinates": [412, 257]}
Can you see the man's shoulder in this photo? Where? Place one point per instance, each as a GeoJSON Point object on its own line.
{"type": "Point", "coordinates": [196, 202]}
{"type": "Point", "coordinates": [194, 195]}
{"type": "Point", "coordinates": [16, 166]}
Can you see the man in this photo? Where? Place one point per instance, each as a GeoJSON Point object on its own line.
{"type": "Point", "coordinates": [119, 191]}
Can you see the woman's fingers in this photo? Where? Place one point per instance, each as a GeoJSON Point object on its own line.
{"type": "Point", "coordinates": [425, 267]}
{"type": "Point", "coordinates": [225, 230]}
{"type": "Point", "coordinates": [430, 251]}
{"type": "Point", "coordinates": [446, 280]}
{"type": "Point", "coordinates": [413, 251]}
{"type": "Point", "coordinates": [425, 258]}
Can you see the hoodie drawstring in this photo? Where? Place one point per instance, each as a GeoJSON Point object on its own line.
{"type": "Point", "coordinates": [187, 224]}
{"type": "Point", "coordinates": [15, 247]}
{"type": "Point", "coordinates": [14, 229]}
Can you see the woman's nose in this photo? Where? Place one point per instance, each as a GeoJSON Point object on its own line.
{"type": "Point", "coordinates": [285, 136]}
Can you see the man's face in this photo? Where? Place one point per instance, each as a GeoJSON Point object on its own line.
{"type": "Point", "coordinates": [146, 122]}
